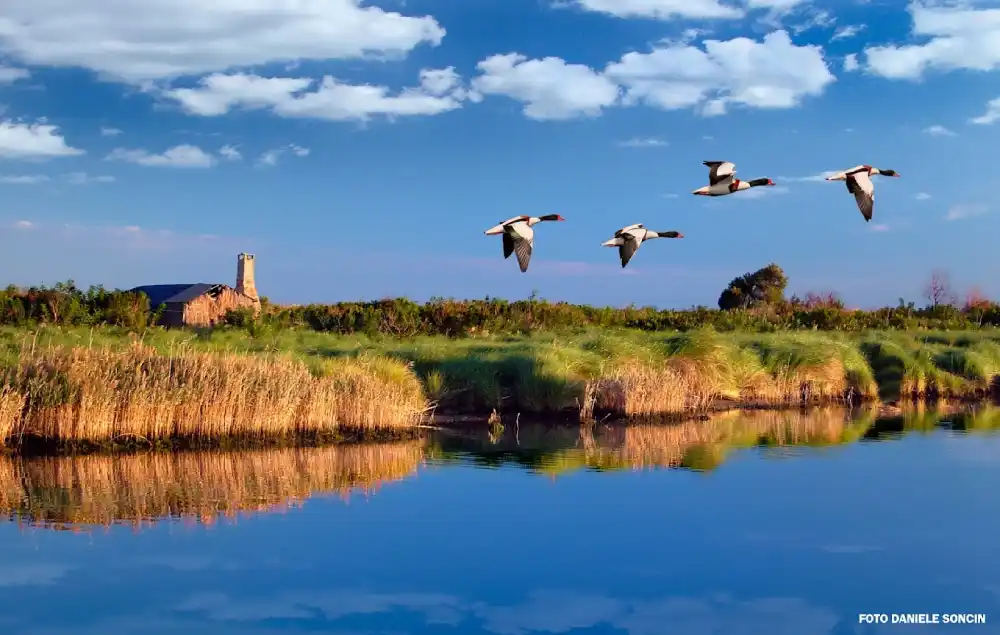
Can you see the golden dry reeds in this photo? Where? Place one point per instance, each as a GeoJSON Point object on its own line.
{"type": "Point", "coordinates": [137, 489]}
{"type": "Point", "coordinates": [100, 394]}
{"type": "Point", "coordinates": [704, 444]}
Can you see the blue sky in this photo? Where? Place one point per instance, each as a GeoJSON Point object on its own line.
{"type": "Point", "coordinates": [361, 149]}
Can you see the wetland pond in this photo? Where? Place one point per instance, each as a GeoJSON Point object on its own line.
{"type": "Point", "coordinates": [760, 523]}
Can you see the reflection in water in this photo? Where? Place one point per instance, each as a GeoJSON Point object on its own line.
{"type": "Point", "coordinates": [62, 492]}
{"type": "Point", "coordinates": [69, 492]}
{"type": "Point", "coordinates": [695, 445]}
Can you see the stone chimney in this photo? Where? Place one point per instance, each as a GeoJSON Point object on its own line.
{"type": "Point", "coordinates": [245, 282]}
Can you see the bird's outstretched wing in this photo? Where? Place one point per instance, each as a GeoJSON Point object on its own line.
{"type": "Point", "coordinates": [628, 248]}
{"type": "Point", "coordinates": [861, 186]}
{"type": "Point", "coordinates": [508, 245]}
{"type": "Point", "coordinates": [523, 247]}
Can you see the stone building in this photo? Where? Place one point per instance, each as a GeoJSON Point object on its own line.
{"type": "Point", "coordinates": [204, 304]}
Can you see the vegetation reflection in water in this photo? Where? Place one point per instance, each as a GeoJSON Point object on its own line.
{"type": "Point", "coordinates": [202, 487]}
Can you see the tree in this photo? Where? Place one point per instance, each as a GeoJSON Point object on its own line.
{"type": "Point", "coordinates": [938, 290]}
{"type": "Point", "coordinates": [976, 305]}
{"type": "Point", "coordinates": [765, 286]}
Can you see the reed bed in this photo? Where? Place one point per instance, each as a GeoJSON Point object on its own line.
{"type": "Point", "coordinates": [203, 487]}
{"type": "Point", "coordinates": [592, 373]}
{"type": "Point", "coordinates": [83, 394]}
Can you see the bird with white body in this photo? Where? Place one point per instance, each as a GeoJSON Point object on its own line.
{"type": "Point", "coordinates": [519, 237]}
{"type": "Point", "coordinates": [628, 239]}
{"type": "Point", "coordinates": [722, 180]}
{"type": "Point", "coordinates": [859, 183]}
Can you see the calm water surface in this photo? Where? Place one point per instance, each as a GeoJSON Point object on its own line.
{"type": "Point", "coordinates": [766, 524]}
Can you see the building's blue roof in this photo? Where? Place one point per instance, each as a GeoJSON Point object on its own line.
{"type": "Point", "coordinates": [169, 293]}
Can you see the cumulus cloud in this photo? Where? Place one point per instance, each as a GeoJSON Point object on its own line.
{"type": "Point", "coordinates": [661, 9]}
{"type": "Point", "coordinates": [440, 90]}
{"type": "Point", "coordinates": [82, 178]}
{"type": "Point", "coordinates": [10, 75]}
{"type": "Point", "coordinates": [37, 141]}
{"type": "Point", "coordinates": [180, 156]}
{"type": "Point", "coordinates": [851, 63]}
{"type": "Point", "coordinates": [956, 37]}
{"type": "Point", "coordinates": [771, 73]}
{"type": "Point", "coordinates": [229, 153]}
{"type": "Point", "coordinates": [270, 158]}
{"type": "Point", "coordinates": [549, 88]}
{"type": "Point", "coordinates": [847, 31]}
{"type": "Point", "coordinates": [922, 196]}
{"type": "Point", "coordinates": [23, 179]}
{"type": "Point", "coordinates": [938, 131]}
{"type": "Point", "coordinates": [643, 142]}
{"type": "Point", "coordinates": [963, 211]}
{"type": "Point", "coordinates": [137, 42]}
{"type": "Point", "coordinates": [990, 116]}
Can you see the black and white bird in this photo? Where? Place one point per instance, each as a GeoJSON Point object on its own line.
{"type": "Point", "coordinates": [722, 180]}
{"type": "Point", "coordinates": [628, 239]}
{"type": "Point", "coordinates": [859, 183]}
{"type": "Point", "coordinates": [519, 237]}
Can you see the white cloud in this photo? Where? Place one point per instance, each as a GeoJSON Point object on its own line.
{"type": "Point", "coordinates": [643, 142]}
{"type": "Point", "coordinates": [661, 9]}
{"type": "Point", "coordinates": [957, 37]}
{"type": "Point", "coordinates": [962, 211]}
{"type": "Point", "coordinates": [772, 73]}
{"type": "Point", "coordinates": [938, 131]}
{"type": "Point", "coordinates": [23, 179]}
{"type": "Point", "coordinates": [851, 63]}
{"type": "Point", "coordinates": [110, 132]}
{"type": "Point", "coordinates": [440, 90]}
{"type": "Point", "coordinates": [990, 116]}
{"type": "Point", "coordinates": [10, 75]}
{"type": "Point", "coordinates": [230, 153]}
{"type": "Point", "coordinates": [158, 39]}
{"type": "Point", "coordinates": [82, 178]}
{"type": "Point", "coordinates": [922, 196]}
{"type": "Point", "coordinates": [270, 158]}
{"type": "Point", "coordinates": [847, 31]}
{"type": "Point", "coordinates": [761, 192]}
{"type": "Point", "coordinates": [880, 228]}
{"type": "Point", "coordinates": [549, 88]}
{"type": "Point", "coordinates": [815, 178]}
{"type": "Point", "coordinates": [24, 224]}
{"type": "Point", "coordinates": [181, 156]}
{"type": "Point", "coordinates": [36, 141]}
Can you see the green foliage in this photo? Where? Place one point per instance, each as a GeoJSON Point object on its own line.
{"type": "Point", "coordinates": [762, 292]}
{"type": "Point", "coordinates": [764, 287]}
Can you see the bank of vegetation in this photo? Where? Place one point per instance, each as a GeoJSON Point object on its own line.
{"type": "Point", "coordinates": [753, 302]}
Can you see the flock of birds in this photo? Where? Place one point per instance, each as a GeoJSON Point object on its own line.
{"type": "Point", "coordinates": [519, 237]}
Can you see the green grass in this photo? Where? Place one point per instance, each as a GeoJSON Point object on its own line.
{"type": "Point", "coordinates": [624, 372]}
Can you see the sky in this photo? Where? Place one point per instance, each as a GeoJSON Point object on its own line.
{"type": "Point", "coordinates": [361, 149]}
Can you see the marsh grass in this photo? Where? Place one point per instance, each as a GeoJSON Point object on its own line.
{"type": "Point", "coordinates": [138, 489]}
{"type": "Point", "coordinates": [92, 395]}
{"type": "Point", "coordinates": [593, 373]}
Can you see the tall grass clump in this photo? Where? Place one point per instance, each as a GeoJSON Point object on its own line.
{"type": "Point", "coordinates": [96, 395]}
{"type": "Point", "coordinates": [904, 368]}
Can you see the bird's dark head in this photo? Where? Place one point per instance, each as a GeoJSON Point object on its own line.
{"type": "Point", "coordinates": [671, 234]}
{"type": "Point", "coordinates": [759, 182]}
{"type": "Point", "coordinates": [888, 173]}
{"type": "Point", "coordinates": [551, 217]}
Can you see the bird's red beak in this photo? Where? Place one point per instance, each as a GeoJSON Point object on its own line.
{"type": "Point", "coordinates": [679, 235]}
{"type": "Point", "coordinates": [558, 217]}
{"type": "Point", "coordinates": [770, 182]}
{"type": "Point", "coordinates": [897, 175]}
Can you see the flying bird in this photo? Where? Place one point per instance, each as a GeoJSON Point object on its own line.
{"type": "Point", "coordinates": [859, 183]}
{"type": "Point", "coordinates": [519, 237]}
{"type": "Point", "coordinates": [722, 180]}
{"type": "Point", "coordinates": [628, 239]}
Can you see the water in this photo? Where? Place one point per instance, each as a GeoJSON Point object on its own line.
{"type": "Point", "coordinates": [692, 529]}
